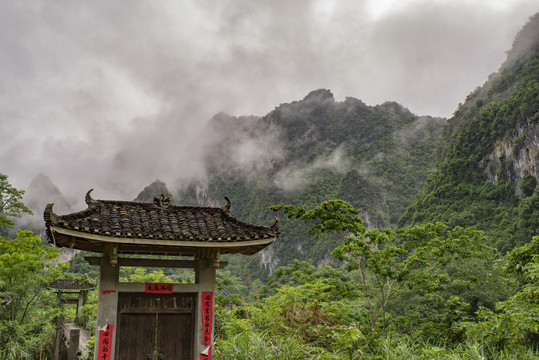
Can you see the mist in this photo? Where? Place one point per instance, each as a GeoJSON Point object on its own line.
{"type": "Point", "coordinates": [299, 175]}
{"type": "Point", "coordinates": [97, 94]}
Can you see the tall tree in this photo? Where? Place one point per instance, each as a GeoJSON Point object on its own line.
{"type": "Point", "coordinates": [10, 203]}
{"type": "Point", "coordinates": [421, 260]}
{"type": "Point", "coordinates": [515, 322]}
{"type": "Point", "coordinates": [28, 307]}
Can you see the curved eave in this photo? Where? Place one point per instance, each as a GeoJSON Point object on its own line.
{"type": "Point", "coordinates": [82, 288]}
{"type": "Point", "coordinates": [95, 242]}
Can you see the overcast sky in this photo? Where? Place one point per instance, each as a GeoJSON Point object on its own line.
{"type": "Point", "coordinates": [103, 94]}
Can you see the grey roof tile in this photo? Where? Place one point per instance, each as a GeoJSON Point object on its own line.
{"type": "Point", "coordinates": [129, 219]}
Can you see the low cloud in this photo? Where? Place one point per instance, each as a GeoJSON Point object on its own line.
{"type": "Point", "coordinates": [296, 176]}
{"type": "Point", "coordinates": [98, 94]}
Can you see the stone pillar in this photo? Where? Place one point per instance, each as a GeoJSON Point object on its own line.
{"type": "Point", "coordinates": [74, 335]}
{"type": "Point", "coordinates": [59, 330]}
{"type": "Point", "coordinates": [205, 276]}
{"type": "Point", "coordinates": [79, 305]}
{"type": "Point", "coordinates": [107, 302]}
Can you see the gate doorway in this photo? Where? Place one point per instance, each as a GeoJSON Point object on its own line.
{"type": "Point", "coordinates": [155, 326]}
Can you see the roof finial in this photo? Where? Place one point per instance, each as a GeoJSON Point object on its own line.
{"type": "Point", "coordinates": [161, 202]}
{"type": "Point", "coordinates": [277, 227]}
{"type": "Point", "coordinates": [88, 197]}
{"type": "Point", "coordinates": [227, 206]}
{"type": "Point", "coordinates": [49, 215]}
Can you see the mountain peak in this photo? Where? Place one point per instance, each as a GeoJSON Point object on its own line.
{"type": "Point", "coordinates": [526, 41]}
{"type": "Point", "coordinates": [154, 190]}
{"type": "Point", "coordinates": [221, 116]}
{"type": "Point", "coordinates": [319, 95]}
{"type": "Point", "coordinates": [393, 107]}
{"type": "Point", "coordinates": [42, 188]}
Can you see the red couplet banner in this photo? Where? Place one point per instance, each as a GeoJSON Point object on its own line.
{"type": "Point", "coordinates": [159, 288]}
{"type": "Point", "coordinates": [105, 343]}
{"type": "Point", "coordinates": [207, 316]}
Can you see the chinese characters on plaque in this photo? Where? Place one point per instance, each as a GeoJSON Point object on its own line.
{"type": "Point", "coordinates": [105, 343]}
{"type": "Point", "coordinates": [159, 288]}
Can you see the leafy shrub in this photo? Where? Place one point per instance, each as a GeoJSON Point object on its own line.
{"type": "Point", "coordinates": [528, 185]}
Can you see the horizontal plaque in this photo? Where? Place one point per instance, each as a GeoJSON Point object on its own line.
{"type": "Point", "coordinates": [159, 288]}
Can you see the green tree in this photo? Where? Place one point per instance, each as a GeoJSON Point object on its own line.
{"type": "Point", "coordinates": [140, 275]}
{"type": "Point", "coordinates": [26, 318]}
{"type": "Point", "coordinates": [315, 316]}
{"type": "Point", "coordinates": [514, 324]}
{"type": "Point", "coordinates": [26, 268]}
{"type": "Point", "coordinates": [10, 203]}
{"type": "Point", "coordinates": [296, 273]}
{"type": "Point", "coordinates": [389, 263]}
{"type": "Point", "coordinates": [528, 184]}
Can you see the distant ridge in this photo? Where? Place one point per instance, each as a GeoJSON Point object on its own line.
{"type": "Point", "coordinates": [308, 151]}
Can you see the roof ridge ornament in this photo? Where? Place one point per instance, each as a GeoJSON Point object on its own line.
{"type": "Point", "coordinates": [227, 206]}
{"type": "Point", "coordinates": [88, 198]}
{"type": "Point", "coordinates": [49, 214]}
{"type": "Point", "coordinates": [277, 227]}
{"type": "Point", "coordinates": [161, 202]}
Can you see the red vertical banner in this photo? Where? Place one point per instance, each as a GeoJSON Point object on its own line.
{"type": "Point", "coordinates": [105, 343]}
{"type": "Point", "coordinates": [207, 316]}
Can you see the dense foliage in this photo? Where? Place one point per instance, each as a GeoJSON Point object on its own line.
{"type": "Point", "coordinates": [28, 308]}
{"type": "Point", "coordinates": [427, 291]}
{"type": "Point", "coordinates": [28, 313]}
{"type": "Point", "coordinates": [11, 204]}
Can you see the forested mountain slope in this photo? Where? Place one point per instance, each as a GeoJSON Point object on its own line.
{"type": "Point", "coordinates": [489, 157]}
{"type": "Point", "coordinates": [308, 151]}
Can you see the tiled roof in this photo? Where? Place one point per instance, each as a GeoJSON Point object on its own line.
{"type": "Point", "coordinates": [159, 221]}
{"type": "Point", "coordinates": [69, 284]}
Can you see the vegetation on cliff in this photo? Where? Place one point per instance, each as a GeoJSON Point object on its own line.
{"type": "Point", "coordinates": [304, 152]}
{"type": "Point", "coordinates": [489, 158]}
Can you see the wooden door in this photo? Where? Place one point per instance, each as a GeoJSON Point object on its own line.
{"type": "Point", "coordinates": [136, 336]}
{"type": "Point", "coordinates": [155, 327]}
{"type": "Point", "coordinates": [174, 334]}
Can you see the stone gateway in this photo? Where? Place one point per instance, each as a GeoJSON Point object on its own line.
{"type": "Point", "coordinates": [156, 321]}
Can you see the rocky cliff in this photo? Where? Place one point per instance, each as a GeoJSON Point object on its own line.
{"type": "Point", "coordinates": [515, 155]}
{"type": "Point", "coordinates": [487, 172]}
